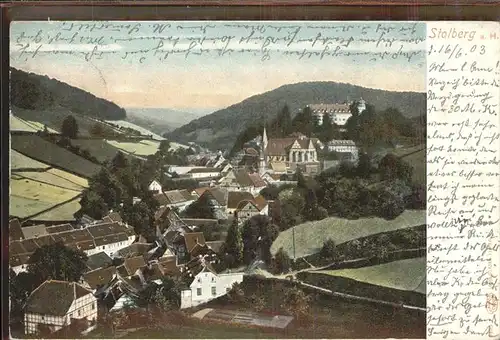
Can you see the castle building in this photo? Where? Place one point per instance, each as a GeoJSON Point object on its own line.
{"type": "Point", "coordinates": [338, 113]}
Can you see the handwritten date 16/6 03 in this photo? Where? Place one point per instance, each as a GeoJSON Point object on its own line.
{"type": "Point", "coordinates": [455, 51]}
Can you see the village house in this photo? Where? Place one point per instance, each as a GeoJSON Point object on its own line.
{"type": "Point", "coordinates": [241, 180]}
{"type": "Point", "coordinates": [99, 260]}
{"type": "Point", "coordinates": [206, 284]}
{"type": "Point", "coordinates": [234, 198]}
{"type": "Point", "coordinates": [217, 197]}
{"type": "Point", "coordinates": [57, 304]}
{"type": "Point", "coordinates": [93, 239]}
{"type": "Point", "coordinates": [345, 149]}
{"type": "Point", "coordinates": [178, 199]}
{"type": "Point", "coordinates": [155, 186]}
{"type": "Point", "coordinates": [98, 280]}
{"type": "Point", "coordinates": [204, 173]}
{"type": "Point", "coordinates": [250, 208]}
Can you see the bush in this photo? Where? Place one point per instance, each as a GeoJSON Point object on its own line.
{"type": "Point", "coordinates": [282, 262]}
{"type": "Point", "coordinates": [329, 249]}
{"type": "Point", "coordinates": [296, 303]}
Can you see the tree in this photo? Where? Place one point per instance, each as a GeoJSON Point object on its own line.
{"type": "Point", "coordinates": [329, 249]}
{"type": "Point", "coordinates": [364, 167]}
{"type": "Point", "coordinates": [57, 262]}
{"type": "Point", "coordinates": [234, 244]}
{"type": "Point", "coordinates": [417, 199]}
{"type": "Point", "coordinates": [201, 208]}
{"type": "Point", "coordinates": [93, 205]}
{"type": "Point", "coordinates": [282, 262]}
{"type": "Point", "coordinates": [296, 302]}
{"type": "Point", "coordinates": [69, 127]}
{"type": "Point", "coordinates": [20, 287]}
{"type": "Point", "coordinates": [310, 211]}
{"type": "Point", "coordinates": [392, 167]}
{"type": "Point", "coordinates": [119, 162]}
{"type": "Point", "coordinates": [164, 148]}
{"type": "Point", "coordinates": [391, 203]}
{"type": "Point", "coordinates": [301, 180]}
{"type": "Point", "coordinates": [258, 235]}
{"type": "Point", "coordinates": [141, 217]}
{"type": "Point", "coordinates": [271, 192]}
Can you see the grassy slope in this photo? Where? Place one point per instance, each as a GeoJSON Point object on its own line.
{"type": "Point", "coordinates": [98, 148]}
{"type": "Point", "coordinates": [20, 161]}
{"type": "Point", "coordinates": [45, 190]}
{"type": "Point", "coordinates": [310, 236]}
{"type": "Point", "coordinates": [404, 274]}
{"type": "Point", "coordinates": [36, 147]}
{"type": "Point", "coordinates": [19, 124]}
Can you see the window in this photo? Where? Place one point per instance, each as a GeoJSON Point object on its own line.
{"type": "Point", "coordinates": [213, 279]}
{"type": "Point", "coordinates": [214, 290]}
{"type": "Point", "coordinates": [198, 291]}
{"type": "Point", "coordinates": [79, 312]}
{"type": "Point", "coordinates": [93, 305]}
{"type": "Point", "coordinates": [228, 289]}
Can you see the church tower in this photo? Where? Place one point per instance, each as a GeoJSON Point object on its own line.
{"type": "Point", "coordinates": [262, 157]}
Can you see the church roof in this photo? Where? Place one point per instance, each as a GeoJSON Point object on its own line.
{"type": "Point", "coordinates": [281, 146]}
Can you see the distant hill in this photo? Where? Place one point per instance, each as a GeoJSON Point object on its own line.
{"type": "Point", "coordinates": [160, 120]}
{"type": "Point", "coordinates": [220, 129]}
{"type": "Point", "coordinates": [34, 92]}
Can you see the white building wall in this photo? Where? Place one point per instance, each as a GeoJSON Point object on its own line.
{"type": "Point", "coordinates": [204, 174]}
{"type": "Point", "coordinates": [111, 248]}
{"type": "Point", "coordinates": [82, 308]}
{"type": "Point", "coordinates": [155, 186]}
{"type": "Point", "coordinates": [207, 286]}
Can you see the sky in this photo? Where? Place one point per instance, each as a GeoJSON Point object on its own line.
{"type": "Point", "coordinates": [205, 66]}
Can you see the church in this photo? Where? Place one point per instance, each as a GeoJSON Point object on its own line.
{"type": "Point", "coordinates": [289, 153]}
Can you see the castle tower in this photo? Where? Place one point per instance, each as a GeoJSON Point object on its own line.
{"type": "Point", "coordinates": [264, 139]}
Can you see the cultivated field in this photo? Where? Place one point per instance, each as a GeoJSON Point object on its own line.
{"type": "Point", "coordinates": [139, 148]}
{"type": "Point", "coordinates": [19, 124]}
{"type": "Point", "coordinates": [138, 128]}
{"type": "Point", "coordinates": [20, 161]}
{"type": "Point", "coordinates": [41, 150]}
{"type": "Point", "coordinates": [310, 236]}
{"type": "Point", "coordinates": [54, 117]}
{"type": "Point", "coordinates": [32, 196]}
{"type": "Point", "coordinates": [98, 148]}
{"type": "Point", "coordinates": [63, 212]}
{"type": "Point", "coordinates": [53, 177]}
{"type": "Point", "coordinates": [403, 275]}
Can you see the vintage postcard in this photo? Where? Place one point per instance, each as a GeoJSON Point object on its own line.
{"type": "Point", "coordinates": [253, 179]}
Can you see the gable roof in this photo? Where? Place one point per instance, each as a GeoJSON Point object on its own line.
{"type": "Point", "coordinates": [260, 202]}
{"type": "Point", "coordinates": [278, 166]}
{"type": "Point", "coordinates": [99, 260]}
{"type": "Point", "coordinates": [244, 204]}
{"type": "Point", "coordinates": [177, 196]}
{"type": "Point", "coordinates": [200, 191]}
{"type": "Point", "coordinates": [257, 181]}
{"type": "Point", "coordinates": [161, 199]}
{"type": "Point", "coordinates": [215, 245]}
{"type": "Point", "coordinates": [242, 178]}
{"type": "Point", "coordinates": [54, 297]}
{"type": "Point", "coordinates": [59, 228]}
{"type": "Point", "coordinates": [281, 146]}
{"type": "Point", "coordinates": [133, 263]}
{"type": "Point", "coordinates": [235, 197]}
{"type": "Point", "coordinates": [330, 108]}
{"type": "Point", "coordinates": [203, 170]}
{"type": "Point", "coordinates": [99, 277]}
{"type": "Point", "coordinates": [220, 195]}
{"type": "Point", "coordinates": [191, 239]}
{"type": "Point", "coordinates": [135, 249]}
{"type": "Point", "coordinates": [15, 232]}
{"type": "Point", "coordinates": [34, 231]}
